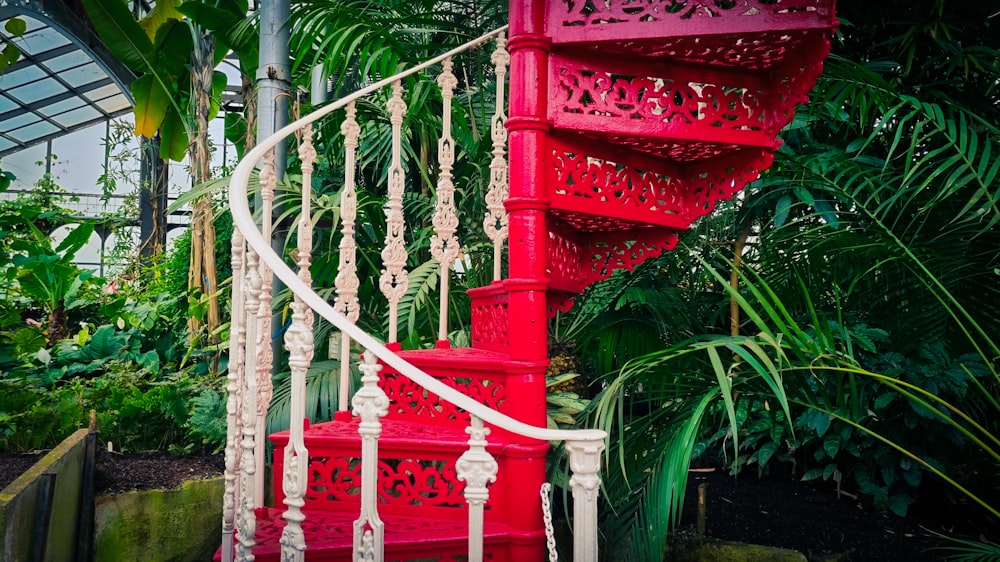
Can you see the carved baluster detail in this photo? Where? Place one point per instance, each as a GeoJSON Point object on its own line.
{"type": "Point", "coordinates": [300, 345]}
{"type": "Point", "coordinates": [585, 463]}
{"type": "Point", "coordinates": [246, 524]}
{"type": "Point", "coordinates": [393, 281]}
{"type": "Point", "coordinates": [371, 404]}
{"type": "Point", "coordinates": [265, 355]}
{"type": "Point", "coordinates": [234, 397]}
{"type": "Point", "coordinates": [496, 216]}
{"type": "Point", "coordinates": [477, 468]}
{"type": "Point", "coordinates": [347, 282]}
{"type": "Point", "coordinates": [444, 243]}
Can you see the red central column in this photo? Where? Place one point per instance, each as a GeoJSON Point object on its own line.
{"type": "Point", "coordinates": [528, 280]}
{"type": "Point", "coordinates": [527, 204]}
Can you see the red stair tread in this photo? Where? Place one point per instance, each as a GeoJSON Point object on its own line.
{"type": "Point", "coordinates": [329, 535]}
{"type": "Point", "coordinates": [455, 360]}
{"type": "Point", "coordinates": [397, 435]}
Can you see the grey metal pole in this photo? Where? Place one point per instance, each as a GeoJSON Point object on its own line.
{"type": "Point", "coordinates": [273, 87]}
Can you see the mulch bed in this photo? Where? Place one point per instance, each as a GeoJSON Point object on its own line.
{"type": "Point", "coordinates": [13, 465]}
{"type": "Point", "coordinates": [116, 472]}
{"type": "Point", "coordinates": [812, 519]}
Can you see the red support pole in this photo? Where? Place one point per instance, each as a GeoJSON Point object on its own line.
{"type": "Point", "coordinates": [527, 205]}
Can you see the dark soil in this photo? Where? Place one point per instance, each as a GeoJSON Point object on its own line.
{"type": "Point", "coordinates": [776, 512]}
{"type": "Point", "coordinates": [116, 472]}
{"type": "Point", "coordinates": [13, 465]}
{"type": "Point", "coordinates": [813, 520]}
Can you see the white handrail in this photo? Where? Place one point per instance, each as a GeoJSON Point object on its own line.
{"type": "Point", "coordinates": [243, 220]}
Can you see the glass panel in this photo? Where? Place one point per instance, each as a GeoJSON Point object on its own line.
{"type": "Point", "coordinates": [69, 60]}
{"type": "Point", "coordinates": [114, 104]}
{"type": "Point", "coordinates": [42, 40]}
{"type": "Point", "coordinates": [35, 131]}
{"type": "Point", "coordinates": [20, 121]}
{"type": "Point", "coordinates": [21, 76]}
{"type": "Point", "coordinates": [6, 104]}
{"type": "Point", "coordinates": [5, 144]}
{"type": "Point", "coordinates": [37, 90]}
{"type": "Point", "coordinates": [62, 106]}
{"type": "Point", "coordinates": [83, 152]}
{"type": "Point", "coordinates": [79, 76]}
{"type": "Point", "coordinates": [102, 92]}
{"type": "Point", "coordinates": [76, 116]}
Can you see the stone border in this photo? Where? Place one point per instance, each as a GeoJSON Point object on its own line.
{"type": "Point", "coordinates": [40, 512]}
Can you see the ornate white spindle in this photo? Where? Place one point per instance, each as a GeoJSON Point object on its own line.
{"type": "Point", "coordinates": [585, 463]}
{"type": "Point", "coordinates": [371, 404]}
{"type": "Point", "coordinates": [347, 282]}
{"type": "Point", "coordinates": [234, 398]}
{"type": "Point", "coordinates": [496, 216]}
{"type": "Point", "coordinates": [393, 281]}
{"type": "Point", "coordinates": [444, 243]}
{"type": "Point", "coordinates": [265, 355]}
{"type": "Point", "coordinates": [477, 468]}
{"type": "Point", "coordinates": [246, 524]}
{"type": "Point", "coordinates": [300, 345]}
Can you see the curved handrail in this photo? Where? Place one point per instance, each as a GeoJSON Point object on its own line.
{"type": "Point", "coordinates": [243, 219]}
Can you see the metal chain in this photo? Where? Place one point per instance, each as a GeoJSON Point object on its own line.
{"type": "Point", "coordinates": [550, 534]}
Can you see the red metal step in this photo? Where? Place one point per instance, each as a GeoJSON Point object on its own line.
{"type": "Point", "coordinates": [329, 538]}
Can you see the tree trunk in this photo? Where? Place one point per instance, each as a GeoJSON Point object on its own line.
{"type": "Point", "coordinates": [202, 277]}
{"type": "Point", "coordinates": [58, 329]}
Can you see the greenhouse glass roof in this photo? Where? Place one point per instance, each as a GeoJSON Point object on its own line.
{"type": "Point", "coordinates": [64, 81]}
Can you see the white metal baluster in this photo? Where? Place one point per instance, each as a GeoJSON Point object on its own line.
{"type": "Point", "coordinates": [347, 282]}
{"type": "Point", "coordinates": [496, 216]}
{"type": "Point", "coordinates": [246, 524]}
{"type": "Point", "coordinates": [585, 463]}
{"type": "Point", "coordinates": [444, 243]}
{"type": "Point", "coordinates": [393, 281]}
{"type": "Point", "coordinates": [477, 468]}
{"type": "Point", "coordinates": [371, 404]}
{"type": "Point", "coordinates": [234, 387]}
{"type": "Point", "coordinates": [265, 355]}
{"type": "Point", "coordinates": [300, 345]}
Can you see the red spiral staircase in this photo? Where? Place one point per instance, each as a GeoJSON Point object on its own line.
{"type": "Point", "coordinates": [627, 121]}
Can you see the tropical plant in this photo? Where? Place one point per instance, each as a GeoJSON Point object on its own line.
{"type": "Point", "coordinates": [869, 276]}
{"type": "Point", "coordinates": [175, 49]}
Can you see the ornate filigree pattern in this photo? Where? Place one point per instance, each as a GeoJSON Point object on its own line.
{"type": "Point", "coordinates": [686, 151]}
{"type": "Point", "coordinates": [300, 345]}
{"type": "Point", "coordinates": [665, 16]}
{"type": "Point", "coordinates": [477, 468]}
{"type": "Point", "coordinates": [612, 194]}
{"type": "Point", "coordinates": [234, 387]}
{"type": "Point", "coordinates": [265, 355]}
{"type": "Point", "coordinates": [410, 399]}
{"type": "Point", "coordinates": [626, 252]}
{"type": "Point", "coordinates": [755, 51]}
{"type": "Point", "coordinates": [334, 481]}
{"type": "Point", "coordinates": [495, 224]}
{"type": "Point", "coordinates": [444, 242]}
{"type": "Point", "coordinates": [347, 282]}
{"type": "Point", "coordinates": [490, 319]}
{"type": "Point", "coordinates": [393, 281]}
{"type": "Point", "coordinates": [371, 404]}
{"type": "Point", "coordinates": [710, 184]}
{"type": "Point", "coordinates": [566, 258]}
{"type": "Point", "coordinates": [627, 100]}
{"type": "Point", "coordinates": [246, 519]}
